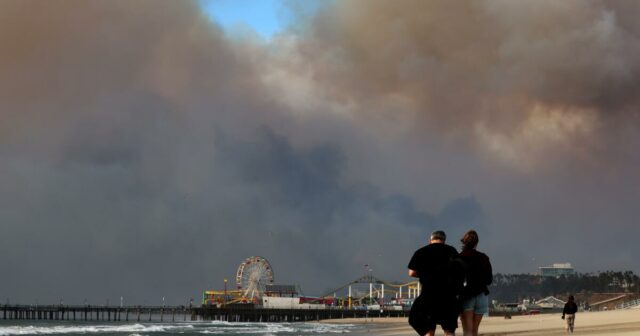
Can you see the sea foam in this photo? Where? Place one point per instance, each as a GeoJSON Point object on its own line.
{"type": "Point", "coordinates": [213, 327]}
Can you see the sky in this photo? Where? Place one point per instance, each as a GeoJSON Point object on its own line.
{"type": "Point", "coordinates": [148, 147]}
{"type": "Point", "coordinates": [265, 17]}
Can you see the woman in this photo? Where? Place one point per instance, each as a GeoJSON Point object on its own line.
{"type": "Point", "coordinates": [569, 313]}
{"type": "Point", "coordinates": [478, 277]}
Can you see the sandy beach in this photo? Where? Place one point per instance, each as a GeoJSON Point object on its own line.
{"type": "Point", "coordinates": [616, 322]}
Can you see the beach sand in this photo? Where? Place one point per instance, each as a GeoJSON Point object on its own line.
{"type": "Point", "coordinates": [615, 322]}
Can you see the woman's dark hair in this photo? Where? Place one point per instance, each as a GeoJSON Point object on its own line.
{"type": "Point", "coordinates": [470, 239]}
{"type": "Point", "coordinates": [570, 298]}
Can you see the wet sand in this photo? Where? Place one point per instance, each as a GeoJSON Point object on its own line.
{"type": "Point", "coordinates": [615, 322]}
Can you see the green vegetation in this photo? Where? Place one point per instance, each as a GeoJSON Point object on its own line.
{"type": "Point", "coordinates": [516, 287]}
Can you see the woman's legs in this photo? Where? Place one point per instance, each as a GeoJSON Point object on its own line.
{"type": "Point", "coordinates": [467, 319]}
{"type": "Point", "coordinates": [570, 320]}
{"type": "Point", "coordinates": [477, 318]}
{"type": "Point", "coordinates": [473, 310]}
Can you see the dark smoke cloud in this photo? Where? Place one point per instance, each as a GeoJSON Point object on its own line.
{"type": "Point", "coordinates": [142, 157]}
{"type": "Point", "coordinates": [506, 76]}
{"type": "Point", "coordinates": [529, 106]}
{"type": "Point", "coordinates": [143, 153]}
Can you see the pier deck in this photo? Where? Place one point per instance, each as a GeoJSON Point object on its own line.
{"type": "Point", "coordinates": [180, 313]}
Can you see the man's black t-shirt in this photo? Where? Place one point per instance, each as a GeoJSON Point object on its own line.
{"type": "Point", "coordinates": [436, 268]}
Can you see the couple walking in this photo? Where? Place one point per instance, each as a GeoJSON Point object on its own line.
{"type": "Point", "coordinates": [453, 285]}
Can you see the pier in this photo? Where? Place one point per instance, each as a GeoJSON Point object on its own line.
{"type": "Point", "coordinates": [95, 313]}
{"type": "Point", "coordinates": [180, 313]}
{"type": "Point", "coordinates": [233, 314]}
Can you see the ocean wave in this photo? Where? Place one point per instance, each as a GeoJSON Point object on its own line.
{"type": "Point", "coordinates": [132, 329]}
{"type": "Point", "coordinates": [221, 327]}
{"type": "Point", "coordinates": [214, 327]}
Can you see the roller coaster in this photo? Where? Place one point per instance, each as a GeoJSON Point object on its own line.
{"type": "Point", "coordinates": [369, 290]}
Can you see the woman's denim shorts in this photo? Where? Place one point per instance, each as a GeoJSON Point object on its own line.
{"type": "Point", "coordinates": [479, 304]}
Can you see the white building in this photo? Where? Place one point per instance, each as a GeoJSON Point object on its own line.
{"type": "Point", "coordinates": [557, 270]}
{"type": "Point", "coordinates": [273, 302]}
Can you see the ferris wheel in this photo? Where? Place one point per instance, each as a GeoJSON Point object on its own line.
{"type": "Point", "coordinates": [253, 276]}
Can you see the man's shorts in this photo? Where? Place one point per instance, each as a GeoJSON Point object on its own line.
{"type": "Point", "coordinates": [448, 322]}
{"type": "Point", "coordinates": [479, 304]}
{"type": "Point", "coordinates": [427, 313]}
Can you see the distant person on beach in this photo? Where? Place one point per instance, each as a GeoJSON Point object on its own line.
{"type": "Point", "coordinates": [438, 268]}
{"type": "Point", "coordinates": [569, 313]}
{"type": "Point", "coordinates": [479, 275]}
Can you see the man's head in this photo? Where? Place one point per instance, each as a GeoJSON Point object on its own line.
{"type": "Point", "coordinates": [437, 237]}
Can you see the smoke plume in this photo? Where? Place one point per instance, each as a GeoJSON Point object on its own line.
{"type": "Point", "coordinates": [144, 152]}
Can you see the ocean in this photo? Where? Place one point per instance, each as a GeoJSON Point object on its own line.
{"type": "Point", "coordinates": [8, 328]}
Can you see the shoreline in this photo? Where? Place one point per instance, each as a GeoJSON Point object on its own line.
{"type": "Point", "coordinates": [613, 322]}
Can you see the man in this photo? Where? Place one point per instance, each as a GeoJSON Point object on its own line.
{"type": "Point", "coordinates": [441, 277]}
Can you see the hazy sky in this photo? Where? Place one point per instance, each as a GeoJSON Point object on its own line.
{"type": "Point", "coordinates": [148, 147]}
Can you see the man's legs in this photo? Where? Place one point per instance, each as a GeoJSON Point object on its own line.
{"type": "Point", "coordinates": [449, 333]}
{"type": "Point", "coordinates": [449, 327]}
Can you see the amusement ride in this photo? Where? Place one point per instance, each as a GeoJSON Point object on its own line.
{"type": "Point", "coordinates": [255, 280]}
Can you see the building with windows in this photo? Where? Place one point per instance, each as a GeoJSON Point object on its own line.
{"type": "Point", "coordinates": [557, 270]}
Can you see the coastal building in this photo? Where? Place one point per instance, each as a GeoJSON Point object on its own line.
{"type": "Point", "coordinates": [557, 270]}
{"type": "Point", "coordinates": [550, 302]}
